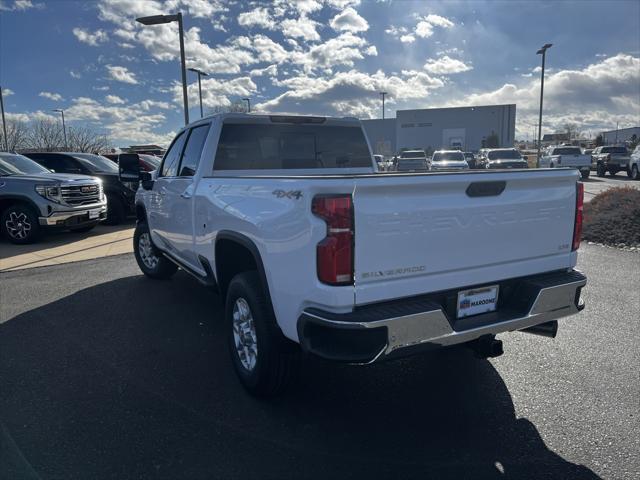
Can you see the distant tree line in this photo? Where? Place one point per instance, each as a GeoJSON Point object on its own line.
{"type": "Point", "coordinates": [48, 136]}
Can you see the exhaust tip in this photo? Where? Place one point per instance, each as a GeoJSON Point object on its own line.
{"type": "Point", "coordinates": [549, 329]}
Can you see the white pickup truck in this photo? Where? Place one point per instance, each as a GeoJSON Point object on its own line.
{"type": "Point", "coordinates": [314, 251]}
{"type": "Point", "coordinates": [567, 156]}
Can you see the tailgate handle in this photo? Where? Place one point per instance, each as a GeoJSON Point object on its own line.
{"type": "Point", "coordinates": [486, 189]}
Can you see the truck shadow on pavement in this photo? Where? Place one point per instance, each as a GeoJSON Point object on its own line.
{"type": "Point", "coordinates": [132, 379]}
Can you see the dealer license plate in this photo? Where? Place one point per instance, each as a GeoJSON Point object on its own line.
{"type": "Point", "coordinates": [477, 301]}
{"type": "Point", "coordinates": [94, 213]}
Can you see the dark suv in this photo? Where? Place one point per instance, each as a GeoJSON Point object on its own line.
{"type": "Point", "coordinates": [120, 195]}
{"type": "Point", "coordinates": [147, 163]}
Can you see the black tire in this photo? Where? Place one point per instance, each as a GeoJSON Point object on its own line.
{"type": "Point", "coordinates": [115, 210]}
{"type": "Point", "coordinates": [160, 269]}
{"type": "Point", "coordinates": [276, 358]}
{"type": "Point", "coordinates": [635, 174]}
{"type": "Point", "coordinates": [613, 171]}
{"type": "Point", "coordinates": [20, 224]}
{"type": "Point", "coordinates": [85, 228]}
{"type": "Point", "coordinates": [585, 174]}
{"type": "Point", "coordinates": [600, 170]}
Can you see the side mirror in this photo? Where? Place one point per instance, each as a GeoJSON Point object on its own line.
{"type": "Point", "coordinates": [146, 180]}
{"type": "Point", "coordinates": [128, 168]}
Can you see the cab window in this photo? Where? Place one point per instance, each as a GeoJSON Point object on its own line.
{"type": "Point", "coordinates": [172, 157]}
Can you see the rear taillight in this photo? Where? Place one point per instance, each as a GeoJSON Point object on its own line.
{"type": "Point", "coordinates": [335, 251]}
{"type": "Point", "coordinates": [577, 226]}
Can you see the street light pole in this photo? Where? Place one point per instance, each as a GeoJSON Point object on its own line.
{"type": "Point", "coordinates": [4, 123]}
{"type": "Point", "coordinates": [383, 95]}
{"type": "Point", "coordinates": [543, 52]}
{"type": "Point", "coordinates": [159, 20]}
{"type": "Point", "coordinates": [200, 74]}
{"type": "Point", "coordinates": [248, 104]}
{"type": "Point", "coordinates": [64, 128]}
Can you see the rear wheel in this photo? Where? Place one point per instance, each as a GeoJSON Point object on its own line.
{"type": "Point", "coordinates": [585, 174]}
{"type": "Point", "coordinates": [264, 360]}
{"type": "Point", "coordinates": [150, 260]}
{"type": "Point", "coordinates": [20, 224]}
{"type": "Point", "coordinates": [635, 174]}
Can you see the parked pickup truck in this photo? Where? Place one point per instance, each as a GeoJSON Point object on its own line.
{"type": "Point", "coordinates": [33, 199]}
{"type": "Point", "coordinates": [412, 160]}
{"type": "Point", "coordinates": [634, 164]}
{"type": "Point", "coordinates": [567, 156]}
{"type": "Point", "coordinates": [287, 218]}
{"type": "Point", "coordinates": [610, 159]}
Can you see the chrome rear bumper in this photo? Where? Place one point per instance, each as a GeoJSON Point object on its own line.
{"type": "Point", "coordinates": [373, 332]}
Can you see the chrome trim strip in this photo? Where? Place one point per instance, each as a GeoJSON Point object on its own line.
{"type": "Point", "coordinates": [56, 217]}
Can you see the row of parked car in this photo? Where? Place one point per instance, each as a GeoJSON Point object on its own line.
{"type": "Point", "coordinates": [486, 158]}
{"type": "Point", "coordinates": [64, 190]}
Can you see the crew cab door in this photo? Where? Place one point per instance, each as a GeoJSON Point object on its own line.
{"type": "Point", "coordinates": [171, 216]}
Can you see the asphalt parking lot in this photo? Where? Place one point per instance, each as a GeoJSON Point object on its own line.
{"type": "Point", "coordinates": [105, 374]}
{"type": "Point", "coordinates": [595, 185]}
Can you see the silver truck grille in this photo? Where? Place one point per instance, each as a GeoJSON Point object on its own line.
{"type": "Point", "coordinates": [81, 194]}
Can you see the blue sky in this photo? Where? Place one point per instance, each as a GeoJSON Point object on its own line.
{"type": "Point", "coordinates": [327, 57]}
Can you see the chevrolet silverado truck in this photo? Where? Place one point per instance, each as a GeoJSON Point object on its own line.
{"type": "Point", "coordinates": [610, 159]}
{"type": "Point", "coordinates": [567, 156]}
{"type": "Point", "coordinates": [33, 199]}
{"type": "Point", "coordinates": [314, 252]}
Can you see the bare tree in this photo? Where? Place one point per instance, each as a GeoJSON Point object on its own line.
{"type": "Point", "coordinates": [571, 129]}
{"type": "Point", "coordinates": [236, 107]}
{"type": "Point", "coordinates": [17, 133]}
{"type": "Point", "coordinates": [81, 139]}
{"type": "Point", "coordinates": [46, 135]}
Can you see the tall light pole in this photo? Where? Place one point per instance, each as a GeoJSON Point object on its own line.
{"type": "Point", "coordinates": [4, 123]}
{"type": "Point", "coordinates": [248, 104]}
{"type": "Point", "coordinates": [200, 74]}
{"type": "Point", "coordinates": [64, 128]}
{"type": "Point", "coordinates": [383, 95]}
{"type": "Point", "coordinates": [543, 52]}
{"type": "Point", "coordinates": [159, 20]}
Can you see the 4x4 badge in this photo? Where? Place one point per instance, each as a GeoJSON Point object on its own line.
{"type": "Point", "coordinates": [297, 194]}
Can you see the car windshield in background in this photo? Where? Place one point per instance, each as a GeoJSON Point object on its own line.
{"type": "Point", "coordinates": [15, 164]}
{"type": "Point", "coordinates": [614, 150]}
{"type": "Point", "coordinates": [273, 147]}
{"type": "Point", "coordinates": [151, 160]}
{"type": "Point", "coordinates": [567, 151]}
{"type": "Point", "coordinates": [504, 155]}
{"type": "Point", "coordinates": [413, 154]}
{"type": "Point", "coordinates": [97, 163]}
{"type": "Point", "coordinates": [447, 156]}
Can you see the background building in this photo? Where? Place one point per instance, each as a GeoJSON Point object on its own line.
{"type": "Point", "coordinates": [468, 128]}
{"type": "Point", "coordinates": [621, 135]}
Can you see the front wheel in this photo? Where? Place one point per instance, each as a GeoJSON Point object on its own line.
{"type": "Point", "coordinates": [635, 174]}
{"type": "Point", "coordinates": [264, 360]}
{"type": "Point", "coordinates": [151, 261]}
{"type": "Point", "coordinates": [20, 224]}
{"type": "Point", "coordinates": [600, 170]}
{"type": "Point", "coordinates": [585, 174]}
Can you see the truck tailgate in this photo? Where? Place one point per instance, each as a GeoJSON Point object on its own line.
{"type": "Point", "coordinates": [417, 234]}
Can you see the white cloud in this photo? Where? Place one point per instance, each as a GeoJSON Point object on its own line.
{"type": "Point", "coordinates": [349, 21]}
{"type": "Point", "coordinates": [56, 97]}
{"type": "Point", "coordinates": [257, 17]}
{"type": "Point", "coordinates": [121, 74]}
{"type": "Point", "coordinates": [439, 21]}
{"type": "Point", "coordinates": [342, 50]}
{"type": "Point", "coordinates": [103, 88]}
{"type": "Point", "coordinates": [445, 65]}
{"type": "Point", "coordinates": [216, 92]}
{"type": "Point", "coordinates": [271, 71]}
{"type": "Point", "coordinates": [126, 45]}
{"type": "Point", "coordinates": [304, 7]}
{"type": "Point", "coordinates": [424, 28]}
{"type": "Point", "coordinates": [114, 100]}
{"type": "Point", "coordinates": [75, 74]}
{"type": "Point", "coordinates": [93, 39]}
{"type": "Point", "coordinates": [342, 4]}
{"type": "Point", "coordinates": [20, 5]}
{"type": "Point", "coordinates": [407, 38]}
{"type": "Point", "coordinates": [301, 27]}
{"type": "Point", "coordinates": [7, 91]}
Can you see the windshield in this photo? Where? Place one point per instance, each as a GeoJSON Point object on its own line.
{"type": "Point", "coordinates": [567, 151]}
{"type": "Point", "coordinates": [413, 154]}
{"type": "Point", "coordinates": [444, 156]}
{"type": "Point", "coordinates": [97, 163]}
{"type": "Point", "coordinates": [151, 160]}
{"type": "Point", "coordinates": [614, 150]}
{"type": "Point", "coordinates": [504, 155]}
{"type": "Point", "coordinates": [14, 164]}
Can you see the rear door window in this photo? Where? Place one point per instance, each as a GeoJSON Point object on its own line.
{"type": "Point", "coordinates": [172, 157]}
{"type": "Point", "coordinates": [193, 151]}
{"type": "Point", "coordinates": [266, 147]}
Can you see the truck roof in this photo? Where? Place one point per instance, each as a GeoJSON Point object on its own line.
{"type": "Point", "coordinates": [277, 118]}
